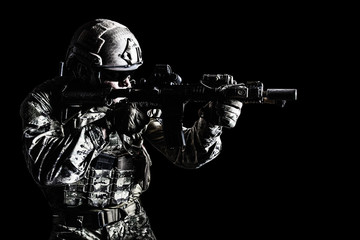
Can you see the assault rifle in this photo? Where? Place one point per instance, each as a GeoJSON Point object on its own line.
{"type": "Point", "coordinates": [165, 90]}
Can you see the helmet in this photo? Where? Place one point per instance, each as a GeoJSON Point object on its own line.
{"type": "Point", "coordinates": [104, 44]}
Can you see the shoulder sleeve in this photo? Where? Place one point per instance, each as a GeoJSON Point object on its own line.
{"type": "Point", "coordinates": [53, 155]}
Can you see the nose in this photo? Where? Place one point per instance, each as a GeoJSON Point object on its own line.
{"type": "Point", "coordinates": [125, 82]}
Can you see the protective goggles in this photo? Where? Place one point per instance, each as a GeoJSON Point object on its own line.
{"type": "Point", "coordinates": [114, 76]}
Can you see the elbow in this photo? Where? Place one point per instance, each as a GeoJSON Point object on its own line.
{"type": "Point", "coordinates": [46, 181]}
{"type": "Point", "coordinates": [53, 182]}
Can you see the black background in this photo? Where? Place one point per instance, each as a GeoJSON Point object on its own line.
{"type": "Point", "coordinates": [268, 181]}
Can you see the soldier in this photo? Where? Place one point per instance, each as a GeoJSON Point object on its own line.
{"type": "Point", "coordinates": [90, 161]}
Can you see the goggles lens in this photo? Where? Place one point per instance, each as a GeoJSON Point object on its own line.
{"type": "Point", "coordinates": [115, 76]}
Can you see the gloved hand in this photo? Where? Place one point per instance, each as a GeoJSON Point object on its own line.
{"type": "Point", "coordinates": [223, 113]}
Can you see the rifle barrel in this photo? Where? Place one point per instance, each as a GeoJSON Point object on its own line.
{"type": "Point", "coordinates": [281, 94]}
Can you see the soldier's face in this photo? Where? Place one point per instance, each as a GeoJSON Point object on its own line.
{"type": "Point", "coordinates": [116, 80]}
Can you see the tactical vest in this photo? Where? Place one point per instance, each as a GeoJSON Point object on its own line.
{"type": "Point", "coordinates": [111, 178]}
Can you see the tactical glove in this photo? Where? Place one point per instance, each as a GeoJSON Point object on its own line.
{"type": "Point", "coordinates": [223, 113]}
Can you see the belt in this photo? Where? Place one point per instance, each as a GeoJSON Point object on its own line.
{"type": "Point", "coordinates": [90, 218]}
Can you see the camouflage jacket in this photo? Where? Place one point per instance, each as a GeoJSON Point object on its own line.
{"type": "Point", "coordinates": [59, 154]}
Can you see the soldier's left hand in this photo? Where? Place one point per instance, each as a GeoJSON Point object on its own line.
{"type": "Point", "coordinates": [228, 112]}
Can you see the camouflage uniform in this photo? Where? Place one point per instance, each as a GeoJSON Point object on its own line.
{"type": "Point", "coordinates": [93, 183]}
